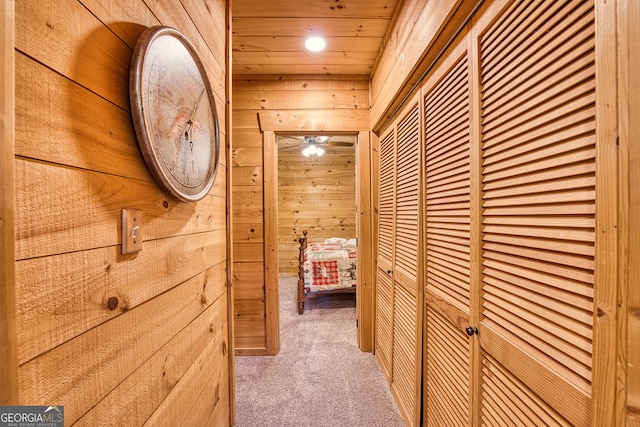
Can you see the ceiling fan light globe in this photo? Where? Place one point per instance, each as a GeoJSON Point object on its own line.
{"type": "Point", "coordinates": [319, 151]}
{"type": "Point", "coordinates": [305, 152]}
{"type": "Point", "coordinates": [312, 149]}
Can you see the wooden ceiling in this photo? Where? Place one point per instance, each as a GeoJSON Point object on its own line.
{"type": "Point", "coordinates": [269, 35]}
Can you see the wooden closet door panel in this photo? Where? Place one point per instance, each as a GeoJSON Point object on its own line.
{"type": "Point", "coordinates": [405, 384]}
{"type": "Point", "coordinates": [537, 66]}
{"type": "Point", "coordinates": [448, 239]}
{"type": "Point", "coordinates": [386, 221]}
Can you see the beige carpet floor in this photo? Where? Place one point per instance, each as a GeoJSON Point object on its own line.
{"type": "Point", "coordinates": [320, 378]}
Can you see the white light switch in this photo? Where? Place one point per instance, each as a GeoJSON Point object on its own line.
{"type": "Point", "coordinates": [131, 231]}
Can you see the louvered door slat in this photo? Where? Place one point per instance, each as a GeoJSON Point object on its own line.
{"type": "Point", "coordinates": [441, 287]}
{"type": "Point", "coordinates": [564, 130]}
{"type": "Point", "coordinates": [452, 250]}
{"type": "Point", "coordinates": [445, 237]}
{"type": "Point", "coordinates": [562, 258]}
{"type": "Point", "coordinates": [538, 158]}
{"type": "Point", "coordinates": [584, 168]}
{"type": "Point", "coordinates": [444, 129]}
{"type": "Point", "coordinates": [544, 125]}
{"type": "Point", "coordinates": [510, 32]}
{"type": "Point", "coordinates": [451, 177]}
{"type": "Point", "coordinates": [531, 23]}
{"type": "Point", "coordinates": [580, 317]}
{"type": "Point", "coordinates": [501, 393]}
{"type": "Point", "coordinates": [582, 209]}
{"type": "Point", "coordinates": [549, 318]}
{"type": "Point", "coordinates": [457, 262]}
{"type": "Point", "coordinates": [446, 95]}
{"type": "Point", "coordinates": [492, 42]}
{"type": "Point", "coordinates": [566, 184]}
{"type": "Point", "coordinates": [445, 275]}
{"type": "Point", "coordinates": [560, 351]}
{"type": "Point", "coordinates": [562, 92]}
{"type": "Point", "coordinates": [521, 258]}
{"type": "Point", "coordinates": [545, 55]}
{"type": "Point", "coordinates": [541, 282]}
{"type": "Point", "coordinates": [443, 150]}
{"type": "Point", "coordinates": [451, 189]}
{"type": "Point", "coordinates": [550, 55]}
{"type": "Point", "coordinates": [546, 232]}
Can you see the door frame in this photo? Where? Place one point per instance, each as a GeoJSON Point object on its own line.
{"type": "Point", "coordinates": [272, 123]}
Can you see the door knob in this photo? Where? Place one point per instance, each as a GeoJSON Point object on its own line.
{"type": "Point", "coordinates": [471, 331]}
{"type": "Point", "coordinates": [389, 271]}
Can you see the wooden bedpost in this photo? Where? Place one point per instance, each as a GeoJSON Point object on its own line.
{"type": "Point", "coordinates": [303, 245]}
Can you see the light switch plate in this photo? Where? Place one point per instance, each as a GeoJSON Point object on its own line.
{"type": "Point", "coordinates": [131, 231]}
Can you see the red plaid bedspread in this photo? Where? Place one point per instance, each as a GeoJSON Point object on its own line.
{"type": "Point", "coordinates": [328, 269]}
{"type": "Point", "coordinates": [325, 273]}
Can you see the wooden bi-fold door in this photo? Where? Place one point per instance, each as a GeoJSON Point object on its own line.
{"type": "Point", "coordinates": [386, 226]}
{"type": "Point", "coordinates": [449, 314]}
{"type": "Point", "coordinates": [511, 213]}
{"type": "Point", "coordinates": [399, 293]}
{"type": "Point", "coordinates": [538, 117]}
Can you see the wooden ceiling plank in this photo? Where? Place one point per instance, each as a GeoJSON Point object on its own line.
{"type": "Point", "coordinates": [289, 58]}
{"type": "Point", "coordinates": [342, 8]}
{"type": "Point", "coordinates": [275, 44]}
{"type": "Point", "coordinates": [283, 27]}
{"type": "Point", "coordinates": [302, 69]}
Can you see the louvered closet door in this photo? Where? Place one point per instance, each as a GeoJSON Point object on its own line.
{"type": "Point", "coordinates": [448, 239]}
{"type": "Point", "coordinates": [538, 144]}
{"type": "Point", "coordinates": [406, 362]}
{"type": "Point", "coordinates": [384, 291]}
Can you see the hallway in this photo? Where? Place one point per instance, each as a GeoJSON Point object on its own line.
{"type": "Point", "coordinates": [319, 378]}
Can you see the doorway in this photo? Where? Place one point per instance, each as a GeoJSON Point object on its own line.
{"type": "Point", "coordinates": [316, 192]}
{"type": "Point", "coordinates": [364, 221]}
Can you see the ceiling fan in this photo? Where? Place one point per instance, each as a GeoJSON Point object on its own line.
{"type": "Point", "coordinates": [315, 144]}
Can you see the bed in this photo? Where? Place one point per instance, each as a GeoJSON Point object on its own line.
{"type": "Point", "coordinates": [325, 267]}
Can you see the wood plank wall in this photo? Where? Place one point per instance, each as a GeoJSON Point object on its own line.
{"type": "Point", "coordinates": [629, 366]}
{"type": "Point", "coordinates": [316, 194]}
{"type": "Point", "coordinates": [131, 338]}
{"type": "Point", "coordinates": [403, 62]}
{"type": "Point", "coordinates": [315, 96]}
{"type": "Point", "coordinates": [8, 353]}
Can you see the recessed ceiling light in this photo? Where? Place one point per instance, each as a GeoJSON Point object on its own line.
{"type": "Point", "coordinates": [315, 44]}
